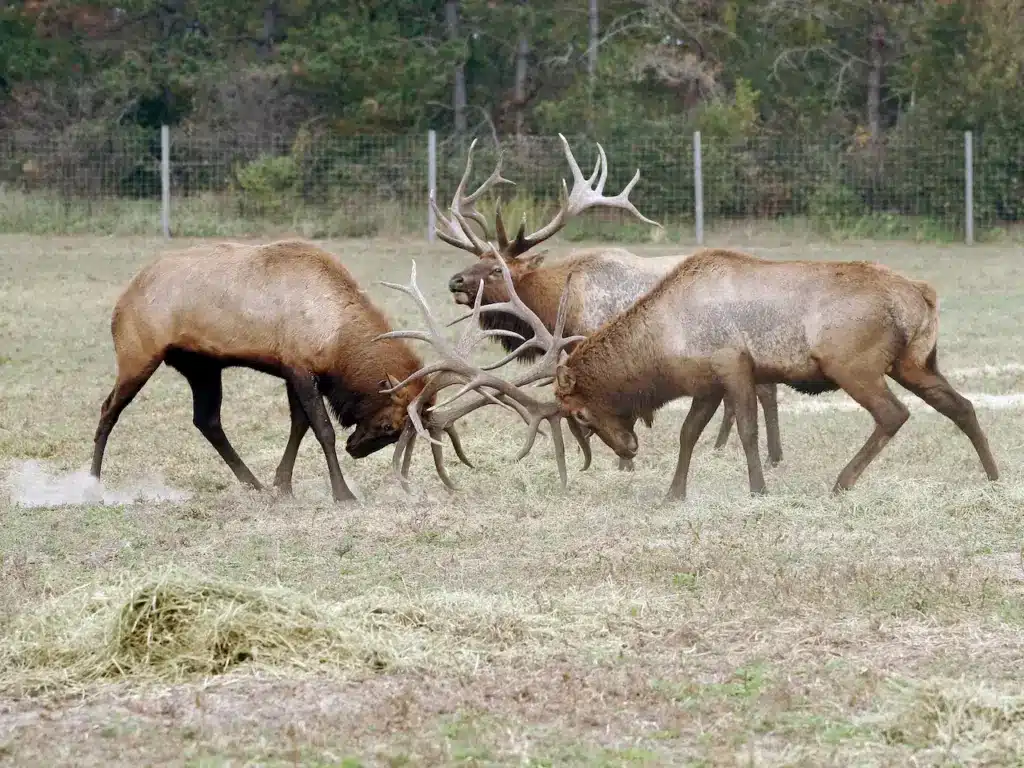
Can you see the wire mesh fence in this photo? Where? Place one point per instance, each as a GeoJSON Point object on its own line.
{"type": "Point", "coordinates": [318, 186]}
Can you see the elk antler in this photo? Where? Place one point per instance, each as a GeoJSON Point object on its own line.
{"type": "Point", "coordinates": [584, 195]}
{"type": "Point", "coordinates": [463, 208]}
{"type": "Point", "coordinates": [454, 367]}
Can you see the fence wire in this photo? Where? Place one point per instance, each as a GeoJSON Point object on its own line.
{"type": "Point", "coordinates": [330, 186]}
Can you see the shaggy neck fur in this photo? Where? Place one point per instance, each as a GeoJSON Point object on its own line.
{"type": "Point", "coordinates": [533, 289]}
{"type": "Point", "coordinates": [500, 320]}
{"type": "Point", "coordinates": [627, 376]}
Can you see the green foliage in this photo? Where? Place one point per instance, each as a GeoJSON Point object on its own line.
{"type": "Point", "coordinates": [835, 205]}
{"type": "Point", "coordinates": [734, 118]}
{"type": "Point", "coordinates": [780, 92]}
{"type": "Point", "coordinates": [269, 183]}
{"type": "Point", "coordinates": [23, 55]}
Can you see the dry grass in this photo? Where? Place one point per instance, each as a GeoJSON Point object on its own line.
{"type": "Point", "coordinates": [511, 623]}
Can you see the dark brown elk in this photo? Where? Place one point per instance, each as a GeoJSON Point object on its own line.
{"type": "Point", "coordinates": [288, 309]}
{"type": "Point", "coordinates": [607, 280]}
{"type": "Point", "coordinates": [722, 321]}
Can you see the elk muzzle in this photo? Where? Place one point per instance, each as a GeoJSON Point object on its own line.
{"type": "Point", "coordinates": [460, 291]}
{"type": "Point", "coordinates": [363, 442]}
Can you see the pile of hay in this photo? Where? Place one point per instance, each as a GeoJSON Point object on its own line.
{"type": "Point", "coordinates": [207, 628]}
{"type": "Point", "coordinates": [174, 626]}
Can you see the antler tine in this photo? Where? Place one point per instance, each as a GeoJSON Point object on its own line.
{"type": "Point", "coordinates": [494, 179]}
{"type": "Point", "coordinates": [480, 245]}
{"type": "Point", "coordinates": [603, 160]}
{"type": "Point", "coordinates": [413, 290]}
{"type": "Point", "coordinates": [455, 234]}
{"type": "Point", "coordinates": [463, 209]}
{"type": "Point", "coordinates": [622, 201]}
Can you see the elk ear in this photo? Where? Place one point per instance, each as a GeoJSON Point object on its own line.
{"type": "Point", "coordinates": [388, 383]}
{"type": "Point", "coordinates": [565, 379]}
{"type": "Point", "coordinates": [535, 260]}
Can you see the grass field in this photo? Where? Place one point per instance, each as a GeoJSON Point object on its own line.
{"type": "Point", "coordinates": [511, 623]}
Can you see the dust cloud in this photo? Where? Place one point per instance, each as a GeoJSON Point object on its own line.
{"type": "Point", "coordinates": [30, 484]}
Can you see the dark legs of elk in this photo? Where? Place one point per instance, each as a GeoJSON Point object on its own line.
{"type": "Point", "coordinates": [767, 394]}
{"type": "Point", "coordinates": [124, 391]}
{"type": "Point", "coordinates": [207, 394]}
{"type": "Point", "coordinates": [312, 403]}
{"type": "Point", "coordinates": [300, 424]}
{"type": "Point", "coordinates": [697, 418]}
{"type": "Point", "coordinates": [739, 383]}
{"type": "Point", "coordinates": [932, 387]}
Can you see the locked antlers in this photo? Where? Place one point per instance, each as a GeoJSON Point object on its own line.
{"type": "Point", "coordinates": [454, 367]}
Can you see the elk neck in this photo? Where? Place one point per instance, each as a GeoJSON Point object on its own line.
{"type": "Point", "coordinates": [540, 290]}
{"type": "Point", "coordinates": [622, 365]}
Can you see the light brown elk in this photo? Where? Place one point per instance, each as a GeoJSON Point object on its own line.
{"type": "Point", "coordinates": [722, 321]}
{"type": "Point", "coordinates": [288, 309]}
{"type": "Point", "coordinates": [607, 280]}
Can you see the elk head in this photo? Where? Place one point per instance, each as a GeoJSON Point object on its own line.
{"type": "Point", "coordinates": [614, 429]}
{"type": "Point", "coordinates": [386, 418]}
{"type": "Point", "coordinates": [487, 272]}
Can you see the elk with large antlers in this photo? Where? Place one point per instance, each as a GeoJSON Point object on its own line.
{"type": "Point", "coordinates": [608, 280]}
{"type": "Point", "coordinates": [722, 321]}
{"type": "Point", "coordinates": [288, 309]}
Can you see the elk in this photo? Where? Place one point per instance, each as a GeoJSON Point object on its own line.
{"type": "Point", "coordinates": [608, 280]}
{"type": "Point", "coordinates": [721, 321]}
{"type": "Point", "coordinates": [288, 309]}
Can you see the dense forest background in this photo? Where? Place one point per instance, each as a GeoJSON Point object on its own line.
{"type": "Point", "coordinates": [878, 79]}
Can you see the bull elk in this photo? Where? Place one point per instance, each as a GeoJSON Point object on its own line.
{"type": "Point", "coordinates": [716, 324]}
{"type": "Point", "coordinates": [721, 321]}
{"type": "Point", "coordinates": [608, 280]}
{"type": "Point", "coordinates": [288, 309]}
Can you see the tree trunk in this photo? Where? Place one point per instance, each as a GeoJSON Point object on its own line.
{"type": "Point", "coordinates": [876, 62]}
{"type": "Point", "coordinates": [592, 64]}
{"type": "Point", "coordinates": [519, 91]}
{"type": "Point", "coordinates": [592, 50]}
{"type": "Point", "coordinates": [270, 12]}
{"type": "Point", "coordinates": [451, 14]}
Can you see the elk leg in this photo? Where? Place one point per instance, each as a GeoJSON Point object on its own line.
{"type": "Point", "coordinates": [124, 391]}
{"type": "Point", "coordinates": [283, 475]}
{"type": "Point", "coordinates": [697, 418]}
{"type": "Point", "coordinates": [738, 378]}
{"type": "Point", "coordinates": [934, 389]}
{"type": "Point", "coordinates": [889, 413]}
{"type": "Point", "coordinates": [728, 416]}
{"type": "Point", "coordinates": [767, 394]}
{"type": "Point", "coordinates": [312, 403]}
{"type": "Point", "coordinates": [207, 394]}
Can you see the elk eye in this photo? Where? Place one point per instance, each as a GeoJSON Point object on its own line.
{"type": "Point", "coordinates": [581, 416]}
{"type": "Point", "coordinates": [496, 271]}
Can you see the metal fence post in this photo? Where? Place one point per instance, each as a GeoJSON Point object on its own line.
{"type": "Point", "coordinates": [969, 187]}
{"type": "Point", "coordinates": [165, 179]}
{"type": "Point", "coordinates": [431, 181]}
{"type": "Point", "coordinates": [698, 189]}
